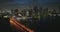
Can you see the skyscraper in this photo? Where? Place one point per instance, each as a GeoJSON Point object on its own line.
{"type": "Point", "coordinates": [35, 10]}
{"type": "Point", "coordinates": [30, 12]}
{"type": "Point", "coordinates": [46, 11]}
{"type": "Point", "coordinates": [16, 12]}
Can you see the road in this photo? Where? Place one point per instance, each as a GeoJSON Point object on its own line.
{"type": "Point", "coordinates": [18, 26]}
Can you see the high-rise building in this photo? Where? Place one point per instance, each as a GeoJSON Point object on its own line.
{"type": "Point", "coordinates": [35, 9]}
{"type": "Point", "coordinates": [27, 13]}
{"type": "Point", "coordinates": [23, 12]}
{"type": "Point", "coordinates": [40, 10]}
{"type": "Point", "coordinates": [16, 12]}
{"type": "Point", "coordinates": [43, 12]}
{"type": "Point", "coordinates": [12, 11]}
{"type": "Point", "coordinates": [46, 11]}
{"type": "Point", "coordinates": [30, 12]}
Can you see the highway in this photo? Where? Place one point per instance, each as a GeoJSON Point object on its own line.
{"type": "Point", "coordinates": [18, 26]}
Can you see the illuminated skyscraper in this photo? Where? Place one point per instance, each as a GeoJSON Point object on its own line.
{"type": "Point", "coordinates": [16, 12]}
{"type": "Point", "coordinates": [46, 11]}
{"type": "Point", "coordinates": [30, 12]}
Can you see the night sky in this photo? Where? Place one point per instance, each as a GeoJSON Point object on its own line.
{"type": "Point", "coordinates": [26, 2]}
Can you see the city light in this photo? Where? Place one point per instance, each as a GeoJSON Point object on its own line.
{"type": "Point", "coordinates": [18, 25]}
